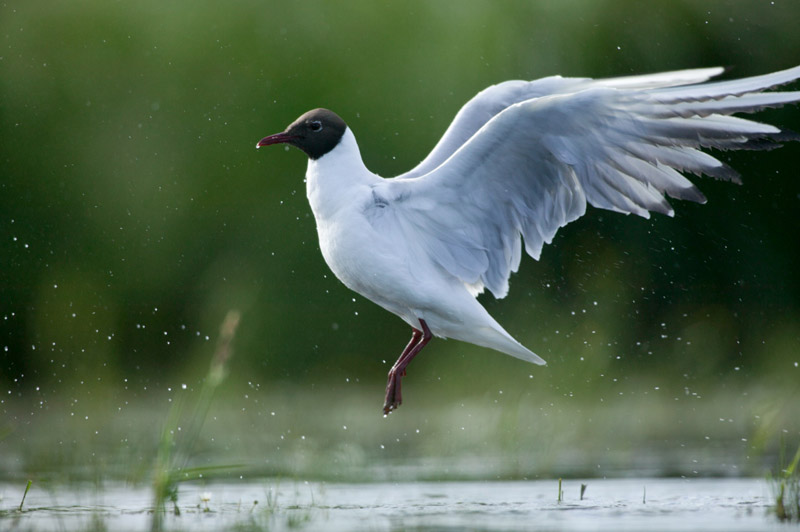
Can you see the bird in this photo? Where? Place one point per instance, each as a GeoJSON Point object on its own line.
{"type": "Point", "coordinates": [520, 160]}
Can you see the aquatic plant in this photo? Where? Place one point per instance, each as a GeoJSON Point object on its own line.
{"type": "Point", "coordinates": [27, 489]}
{"type": "Point", "coordinates": [786, 485]}
{"type": "Point", "coordinates": [171, 459]}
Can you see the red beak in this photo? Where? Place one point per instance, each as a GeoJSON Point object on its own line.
{"type": "Point", "coordinates": [277, 138]}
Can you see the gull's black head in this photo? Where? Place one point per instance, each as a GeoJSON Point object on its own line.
{"type": "Point", "coordinates": [316, 133]}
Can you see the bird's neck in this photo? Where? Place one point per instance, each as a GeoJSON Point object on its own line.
{"type": "Point", "coordinates": [334, 180]}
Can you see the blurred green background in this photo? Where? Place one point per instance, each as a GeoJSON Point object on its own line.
{"type": "Point", "coordinates": [135, 211]}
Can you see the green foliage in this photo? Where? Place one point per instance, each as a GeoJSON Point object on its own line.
{"type": "Point", "coordinates": [786, 484]}
{"type": "Point", "coordinates": [173, 454]}
{"type": "Point", "coordinates": [27, 489]}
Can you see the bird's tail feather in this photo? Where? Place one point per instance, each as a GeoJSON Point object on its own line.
{"type": "Point", "coordinates": [499, 340]}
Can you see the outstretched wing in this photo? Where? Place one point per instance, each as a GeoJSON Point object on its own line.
{"type": "Point", "coordinates": [532, 168]}
{"type": "Point", "coordinates": [490, 101]}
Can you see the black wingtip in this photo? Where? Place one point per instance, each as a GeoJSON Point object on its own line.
{"type": "Point", "coordinates": [770, 142]}
{"type": "Point", "coordinates": [723, 172]}
{"type": "Point", "coordinates": [689, 194]}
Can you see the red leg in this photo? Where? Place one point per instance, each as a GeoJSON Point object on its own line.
{"type": "Point", "coordinates": [419, 339]}
{"type": "Point", "coordinates": [393, 384]}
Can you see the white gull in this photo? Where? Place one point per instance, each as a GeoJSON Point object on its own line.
{"type": "Point", "coordinates": [520, 160]}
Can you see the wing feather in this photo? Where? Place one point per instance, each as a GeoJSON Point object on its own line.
{"type": "Point", "coordinates": [523, 159]}
{"type": "Point", "coordinates": [494, 99]}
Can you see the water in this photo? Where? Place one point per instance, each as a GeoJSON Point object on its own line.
{"type": "Point", "coordinates": [623, 504]}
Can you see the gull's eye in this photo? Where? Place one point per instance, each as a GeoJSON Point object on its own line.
{"type": "Point", "coordinates": [315, 125]}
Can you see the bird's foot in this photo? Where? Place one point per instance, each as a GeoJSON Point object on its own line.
{"type": "Point", "coordinates": [393, 396]}
{"type": "Point", "coordinates": [419, 338]}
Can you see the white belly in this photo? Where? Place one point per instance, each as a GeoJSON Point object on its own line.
{"type": "Point", "coordinates": [370, 264]}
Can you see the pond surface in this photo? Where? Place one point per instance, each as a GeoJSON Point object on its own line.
{"type": "Point", "coordinates": [622, 504]}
